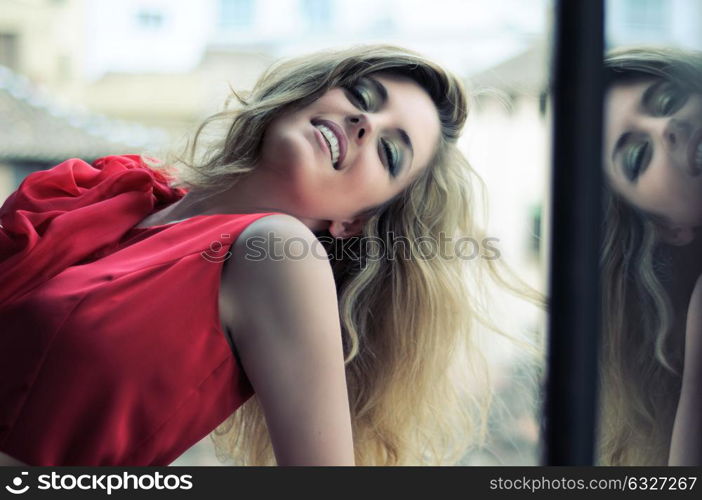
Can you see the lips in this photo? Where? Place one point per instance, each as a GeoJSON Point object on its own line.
{"type": "Point", "coordinates": [340, 136]}
{"type": "Point", "coordinates": [692, 148]}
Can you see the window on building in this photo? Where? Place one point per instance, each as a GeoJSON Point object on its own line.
{"type": "Point", "coordinates": [317, 13]}
{"type": "Point", "coordinates": [236, 13]}
{"type": "Point", "coordinates": [9, 50]}
{"type": "Point", "coordinates": [646, 17]}
{"type": "Point", "coordinates": [150, 19]}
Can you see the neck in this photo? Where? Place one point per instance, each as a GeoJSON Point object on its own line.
{"type": "Point", "coordinates": [252, 193]}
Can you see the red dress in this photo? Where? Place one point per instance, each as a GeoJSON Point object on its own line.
{"type": "Point", "coordinates": [111, 346]}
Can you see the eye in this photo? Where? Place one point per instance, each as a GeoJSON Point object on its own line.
{"type": "Point", "coordinates": [392, 155]}
{"type": "Point", "coordinates": [636, 159]}
{"type": "Point", "coordinates": [668, 98]}
{"type": "Point", "coordinates": [361, 95]}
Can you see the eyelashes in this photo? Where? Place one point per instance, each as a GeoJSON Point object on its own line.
{"type": "Point", "coordinates": [392, 155]}
{"type": "Point", "coordinates": [636, 158]}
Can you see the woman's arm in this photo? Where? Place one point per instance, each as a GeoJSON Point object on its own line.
{"type": "Point", "coordinates": [288, 336]}
{"type": "Point", "coordinates": [686, 443]}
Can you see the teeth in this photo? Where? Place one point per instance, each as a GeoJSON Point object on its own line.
{"type": "Point", "coordinates": [332, 141]}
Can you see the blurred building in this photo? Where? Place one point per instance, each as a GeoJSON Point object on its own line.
{"type": "Point", "coordinates": [42, 86]}
{"type": "Point", "coordinates": [169, 64]}
{"type": "Point", "coordinates": [507, 141]}
{"type": "Point", "coordinates": [45, 41]}
{"type": "Point", "coordinates": [36, 132]}
{"type": "Point", "coordinates": [659, 22]}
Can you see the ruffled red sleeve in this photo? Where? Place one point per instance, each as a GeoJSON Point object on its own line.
{"type": "Point", "coordinates": [58, 217]}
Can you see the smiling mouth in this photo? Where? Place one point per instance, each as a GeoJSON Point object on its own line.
{"type": "Point", "coordinates": [332, 142]}
{"type": "Point", "coordinates": [334, 138]}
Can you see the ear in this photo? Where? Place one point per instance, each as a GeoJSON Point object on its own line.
{"type": "Point", "coordinates": [675, 235]}
{"type": "Point", "coordinates": [346, 229]}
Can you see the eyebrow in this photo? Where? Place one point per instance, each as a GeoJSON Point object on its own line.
{"type": "Point", "coordinates": [404, 136]}
{"type": "Point", "coordinates": [380, 89]}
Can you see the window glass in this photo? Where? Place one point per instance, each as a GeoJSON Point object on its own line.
{"type": "Point", "coordinates": [650, 254]}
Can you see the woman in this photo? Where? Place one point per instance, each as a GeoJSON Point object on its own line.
{"type": "Point", "coordinates": [349, 348]}
{"type": "Point", "coordinates": [652, 302]}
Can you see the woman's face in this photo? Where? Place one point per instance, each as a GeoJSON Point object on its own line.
{"type": "Point", "coordinates": [352, 148]}
{"type": "Point", "coordinates": [652, 151]}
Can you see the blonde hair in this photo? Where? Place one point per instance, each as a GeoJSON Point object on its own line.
{"type": "Point", "coordinates": [407, 324]}
{"type": "Point", "coordinates": [643, 322]}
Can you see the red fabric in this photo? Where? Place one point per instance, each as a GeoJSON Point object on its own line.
{"type": "Point", "coordinates": [111, 347]}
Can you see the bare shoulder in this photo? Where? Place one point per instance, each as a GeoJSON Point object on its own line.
{"type": "Point", "coordinates": [277, 261]}
{"type": "Point", "coordinates": [694, 308]}
{"type": "Point", "coordinates": [289, 341]}
{"type": "Point", "coordinates": [279, 241]}
{"type": "Point", "coordinates": [695, 305]}
{"type": "Point", "coordinates": [277, 224]}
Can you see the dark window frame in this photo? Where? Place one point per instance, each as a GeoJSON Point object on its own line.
{"type": "Point", "coordinates": [573, 324]}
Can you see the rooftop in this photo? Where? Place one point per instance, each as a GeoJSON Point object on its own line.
{"type": "Point", "coordinates": [35, 128]}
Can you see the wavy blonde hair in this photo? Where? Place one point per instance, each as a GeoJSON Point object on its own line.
{"type": "Point", "coordinates": [644, 297]}
{"type": "Point", "coordinates": [408, 324]}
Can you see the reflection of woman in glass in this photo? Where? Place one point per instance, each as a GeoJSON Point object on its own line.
{"type": "Point", "coordinates": [111, 278]}
{"type": "Point", "coordinates": [652, 297]}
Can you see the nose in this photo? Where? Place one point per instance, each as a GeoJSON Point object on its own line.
{"type": "Point", "coordinates": [676, 139]}
{"type": "Point", "coordinates": [676, 133]}
{"type": "Point", "coordinates": [360, 127]}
